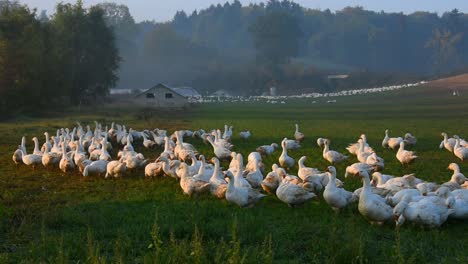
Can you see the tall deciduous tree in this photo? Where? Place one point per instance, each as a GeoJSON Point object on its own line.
{"type": "Point", "coordinates": [276, 37]}
{"type": "Point", "coordinates": [85, 45]}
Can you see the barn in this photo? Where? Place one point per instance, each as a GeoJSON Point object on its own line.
{"type": "Point", "coordinates": [161, 95]}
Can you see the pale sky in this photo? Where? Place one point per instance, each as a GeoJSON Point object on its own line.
{"type": "Point", "coordinates": [163, 10]}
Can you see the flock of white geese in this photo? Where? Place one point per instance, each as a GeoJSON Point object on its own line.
{"type": "Point", "coordinates": [383, 198]}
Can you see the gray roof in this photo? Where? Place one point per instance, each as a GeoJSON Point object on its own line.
{"type": "Point", "coordinates": [187, 91]}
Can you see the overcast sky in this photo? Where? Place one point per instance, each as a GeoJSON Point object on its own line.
{"type": "Point", "coordinates": [163, 10]}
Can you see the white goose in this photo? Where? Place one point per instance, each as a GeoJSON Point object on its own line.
{"type": "Point", "coordinates": [321, 142]}
{"type": "Point", "coordinates": [98, 167]}
{"type": "Point", "coordinates": [271, 181]}
{"type": "Point", "coordinates": [293, 194]}
{"type": "Point", "coordinates": [430, 211]}
{"type": "Point", "coordinates": [116, 169]}
{"type": "Point", "coordinates": [457, 178]}
{"type": "Point", "coordinates": [447, 143]}
{"type": "Point", "coordinates": [183, 150]}
{"type": "Point", "coordinates": [50, 159]}
{"type": "Point", "coordinates": [205, 171]}
{"type": "Point", "coordinates": [372, 206]}
{"type": "Point", "coordinates": [36, 151]}
{"type": "Point", "coordinates": [460, 207]}
{"type": "Point", "coordinates": [412, 194]}
{"type": "Point", "coordinates": [128, 143]}
{"type": "Point", "coordinates": [304, 171]}
{"type": "Point", "coordinates": [331, 155]}
{"type": "Point", "coordinates": [31, 159]}
{"type": "Point", "coordinates": [242, 196]}
{"type": "Point", "coordinates": [227, 132]}
{"type": "Point", "coordinates": [299, 136]}
{"type": "Point", "coordinates": [190, 185]}
{"type": "Point", "coordinates": [459, 151]}
{"type": "Point", "coordinates": [170, 167]}
{"type": "Point", "coordinates": [267, 150]}
{"type": "Point", "coordinates": [159, 140]}
{"type": "Point", "coordinates": [66, 164]}
{"type": "Point", "coordinates": [47, 146]}
{"type": "Point", "coordinates": [375, 161]}
{"type": "Point", "coordinates": [292, 144]}
{"type": "Point", "coordinates": [154, 169]}
{"type": "Point", "coordinates": [394, 184]}
{"type": "Point", "coordinates": [168, 152]}
{"type": "Point", "coordinates": [391, 142]}
{"type": "Point", "coordinates": [410, 140]}
{"type": "Point", "coordinates": [18, 154]}
{"type": "Point", "coordinates": [245, 134]}
{"type": "Point", "coordinates": [218, 185]}
{"type": "Point", "coordinates": [146, 142]}
{"type": "Point", "coordinates": [337, 198]}
{"type": "Point", "coordinates": [239, 180]}
{"type": "Point", "coordinates": [354, 148]}
{"type": "Point", "coordinates": [220, 152]}
{"type": "Point", "coordinates": [254, 157]}
{"type": "Point", "coordinates": [405, 156]}
{"type": "Point", "coordinates": [355, 168]}
{"type": "Point", "coordinates": [255, 177]}
{"type": "Point", "coordinates": [285, 161]}
{"type": "Point", "coordinates": [362, 154]}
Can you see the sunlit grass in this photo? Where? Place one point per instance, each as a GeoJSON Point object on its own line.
{"type": "Point", "coordinates": [46, 216]}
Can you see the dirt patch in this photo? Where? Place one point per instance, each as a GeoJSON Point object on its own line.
{"type": "Point", "coordinates": [458, 82]}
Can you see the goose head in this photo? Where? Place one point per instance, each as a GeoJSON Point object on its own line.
{"type": "Point", "coordinates": [283, 143]}
{"type": "Point", "coordinates": [274, 145]}
{"type": "Point", "coordinates": [301, 160]}
{"type": "Point", "coordinates": [453, 166]}
{"type": "Point", "coordinates": [201, 158]}
{"type": "Point", "coordinates": [331, 171]}
{"type": "Point", "coordinates": [215, 161]}
{"type": "Point", "coordinates": [229, 177]}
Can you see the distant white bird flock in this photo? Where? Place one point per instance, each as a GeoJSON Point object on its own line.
{"type": "Point", "coordinates": [383, 198]}
{"type": "Point", "coordinates": [283, 99]}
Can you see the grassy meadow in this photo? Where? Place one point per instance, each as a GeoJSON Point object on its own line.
{"type": "Point", "coordinates": [48, 217]}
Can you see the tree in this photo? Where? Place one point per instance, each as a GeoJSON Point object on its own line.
{"type": "Point", "coordinates": [22, 58]}
{"type": "Point", "coordinates": [85, 48]}
{"type": "Point", "coordinates": [276, 36]}
{"type": "Point", "coordinates": [445, 54]}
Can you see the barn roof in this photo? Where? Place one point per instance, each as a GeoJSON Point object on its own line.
{"type": "Point", "coordinates": [187, 91]}
{"type": "Point", "coordinates": [182, 91]}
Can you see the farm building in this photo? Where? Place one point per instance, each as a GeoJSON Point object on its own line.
{"type": "Point", "coordinates": [162, 95]}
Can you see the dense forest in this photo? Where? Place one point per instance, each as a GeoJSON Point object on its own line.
{"type": "Point", "coordinates": [247, 48]}
{"type": "Point", "coordinates": [45, 62]}
{"type": "Point", "coordinates": [77, 53]}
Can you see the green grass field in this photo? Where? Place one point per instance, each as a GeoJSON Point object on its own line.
{"type": "Point", "coordinates": [47, 217]}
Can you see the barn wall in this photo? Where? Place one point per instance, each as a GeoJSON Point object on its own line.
{"type": "Point", "coordinates": [160, 99]}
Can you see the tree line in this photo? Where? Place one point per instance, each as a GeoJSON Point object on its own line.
{"type": "Point", "coordinates": [247, 48]}
{"type": "Point", "coordinates": [78, 53]}
{"type": "Point", "coordinates": [48, 62]}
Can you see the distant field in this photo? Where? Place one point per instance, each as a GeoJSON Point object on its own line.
{"type": "Point", "coordinates": [49, 217]}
